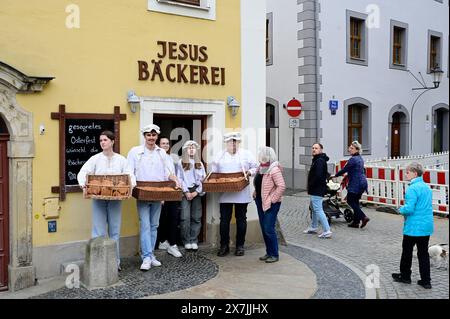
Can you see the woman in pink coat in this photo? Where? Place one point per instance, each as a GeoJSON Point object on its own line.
{"type": "Point", "coordinates": [269, 188]}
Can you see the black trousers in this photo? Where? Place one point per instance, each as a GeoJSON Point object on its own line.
{"type": "Point", "coordinates": [169, 221]}
{"type": "Point", "coordinates": [353, 202]}
{"type": "Point", "coordinates": [422, 255]}
{"type": "Point", "coordinates": [226, 210]}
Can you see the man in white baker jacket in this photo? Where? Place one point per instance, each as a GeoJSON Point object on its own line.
{"type": "Point", "coordinates": [233, 160]}
{"type": "Point", "coordinates": [150, 163]}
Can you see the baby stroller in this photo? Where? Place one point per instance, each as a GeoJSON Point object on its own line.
{"type": "Point", "coordinates": [331, 205]}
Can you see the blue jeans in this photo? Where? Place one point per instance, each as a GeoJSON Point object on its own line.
{"type": "Point", "coordinates": [318, 213]}
{"type": "Point", "coordinates": [106, 219]}
{"type": "Point", "coordinates": [149, 213]}
{"type": "Point", "coordinates": [267, 221]}
{"type": "Point", "coordinates": [191, 220]}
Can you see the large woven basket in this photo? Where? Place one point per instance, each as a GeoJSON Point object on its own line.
{"type": "Point", "coordinates": [216, 183]}
{"type": "Point", "coordinates": [108, 187]}
{"type": "Point", "coordinates": [157, 191]}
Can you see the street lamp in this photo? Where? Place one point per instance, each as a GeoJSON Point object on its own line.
{"type": "Point", "coordinates": [436, 72]}
{"type": "Point", "coordinates": [437, 78]}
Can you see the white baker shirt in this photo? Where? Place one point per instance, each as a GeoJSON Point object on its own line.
{"type": "Point", "coordinates": [228, 163]}
{"type": "Point", "coordinates": [191, 177]}
{"type": "Point", "coordinates": [100, 164]}
{"type": "Point", "coordinates": [150, 166]}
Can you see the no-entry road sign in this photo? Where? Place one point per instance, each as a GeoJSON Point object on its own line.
{"type": "Point", "coordinates": [294, 108]}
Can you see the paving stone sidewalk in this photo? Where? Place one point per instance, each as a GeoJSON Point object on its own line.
{"type": "Point", "coordinates": [378, 244]}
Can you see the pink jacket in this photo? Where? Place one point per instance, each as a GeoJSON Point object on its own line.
{"type": "Point", "coordinates": [273, 187]}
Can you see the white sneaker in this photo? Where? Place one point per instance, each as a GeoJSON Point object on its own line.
{"type": "Point", "coordinates": [173, 250]}
{"type": "Point", "coordinates": [163, 246]}
{"type": "Point", "coordinates": [146, 264]}
{"type": "Point", "coordinates": [326, 234]}
{"type": "Point", "coordinates": [194, 246]}
{"type": "Point", "coordinates": [188, 246]}
{"type": "Point", "coordinates": [155, 262]}
{"type": "Point", "coordinates": [310, 231]}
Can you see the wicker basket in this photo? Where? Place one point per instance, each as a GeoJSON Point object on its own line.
{"type": "Point", "coordinates": [214, 183]}
{"type": "Point", "coordinates": [108, 187]}
{"type": "Point", "coordinates": [157, 191]}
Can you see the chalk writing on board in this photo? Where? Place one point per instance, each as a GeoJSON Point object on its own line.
{"type": "Point", "coordinates": [82, 142]}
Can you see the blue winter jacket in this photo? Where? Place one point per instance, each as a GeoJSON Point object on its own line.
{"type": "Point", "coordinates": [357, 182]}
{"type": "Point", "coordinates": [418, 209]}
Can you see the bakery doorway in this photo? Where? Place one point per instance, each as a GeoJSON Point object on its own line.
{"type": "Point", "coordinates": [179, 129]}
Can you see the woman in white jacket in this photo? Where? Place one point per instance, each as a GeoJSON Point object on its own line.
{"type": "Point", "coordinates": [106, 214]}
{"type": "Point", "coordinates": [191, 173]}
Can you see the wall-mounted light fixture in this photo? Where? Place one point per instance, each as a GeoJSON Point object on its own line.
{"type": "Point", "coordinates": [233, 104]}
{"type": "Point", "coordinates": [436, 73]}
{"type": "Point", "coordinates": [133, 100]}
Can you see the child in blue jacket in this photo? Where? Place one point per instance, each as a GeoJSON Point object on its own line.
{"type": "Point", "coordinates": [418, 227]}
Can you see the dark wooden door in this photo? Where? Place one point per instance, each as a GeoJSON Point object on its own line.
{"type": "Point", "coordinates": [168, 122]}
{"type": "Point", "coordinates": [395, 137]}
{"type": "Point", "coordinates": [4, 213]}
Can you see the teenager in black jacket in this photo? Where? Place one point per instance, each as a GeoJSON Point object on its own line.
{"type": "Point", "coordinates": [317, 188]}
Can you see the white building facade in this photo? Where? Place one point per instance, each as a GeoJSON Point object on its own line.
{"type": "Point", "coordinates": [366, 57]}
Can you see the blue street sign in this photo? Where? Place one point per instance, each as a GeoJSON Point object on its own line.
{"type": "Point", "coordinates": [334, 105]}
{"type": "Point", "coordinates": [52, 226]}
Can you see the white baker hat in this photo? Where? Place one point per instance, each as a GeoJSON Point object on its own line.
{"type": "Point", "coordinates": [232, 136]}
{"type": "Point", "coordinates": [151, 127]}
{"type": "Point", "coordinates": [188, 143]}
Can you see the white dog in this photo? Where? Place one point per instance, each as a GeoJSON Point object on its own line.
{"type": "Point", "coordinates": [438, 256]}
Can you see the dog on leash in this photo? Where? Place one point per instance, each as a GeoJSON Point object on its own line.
{"type": "Point", "coordinates": [438, 256]}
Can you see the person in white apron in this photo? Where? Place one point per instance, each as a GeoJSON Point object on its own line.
{"type": "Point", "coordinates": [106, 214]}
{"type": "Point", "coordinates": [150, 163]}
{"type": "Point", "coordinates": [233, 160]}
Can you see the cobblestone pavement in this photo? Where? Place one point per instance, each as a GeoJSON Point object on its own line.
{"type": "Point", "coordinates": [378, 244]}
{"type": "Point", "coordinates": [334, 280]}
{"type": "Point", "coordinates": [174, 274]}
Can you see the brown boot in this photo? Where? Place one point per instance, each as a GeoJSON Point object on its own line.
{"type": "Point", "coordinates": [365, 221]}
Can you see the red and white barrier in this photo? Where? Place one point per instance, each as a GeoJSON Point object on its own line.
{"type": "Point", "coordinates": [387, 186]}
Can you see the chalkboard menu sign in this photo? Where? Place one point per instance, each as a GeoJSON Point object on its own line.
{"type": "Point", "coordinates": [82, 142]}
{"type": "Point", "coordinates": [79, 140]}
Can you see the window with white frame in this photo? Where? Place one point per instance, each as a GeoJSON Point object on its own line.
{"type": "Point", "coordinates": [201, 9]}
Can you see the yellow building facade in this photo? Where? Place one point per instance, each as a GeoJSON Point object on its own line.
{"type": "Point", "coordinates": [183, 59]}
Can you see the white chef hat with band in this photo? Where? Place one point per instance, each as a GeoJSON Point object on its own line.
{"type": "Point", "coordinates": [151, 127]}
{"type": "Point", "coordinates": [232, 136]}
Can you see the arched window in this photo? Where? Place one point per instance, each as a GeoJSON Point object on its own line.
{"type": "Point", "coordinates": [441, 128]}
{"type": "Point", "coordinates": [357, 124]}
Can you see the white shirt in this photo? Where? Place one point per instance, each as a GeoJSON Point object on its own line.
{"type": "Point", "coordinates": [243, 160]}
{"type": "Point", "coordinates": [100, 164]}
{"type": "Point", "coordinates": [150, 166]}
{"type": "Point", "coordinates": [191, 177]}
